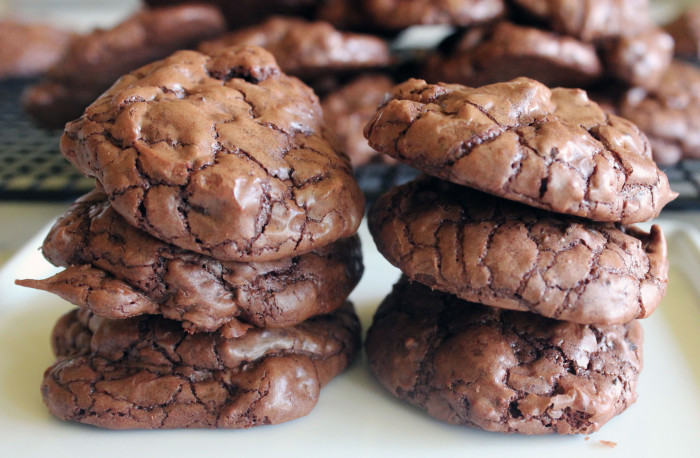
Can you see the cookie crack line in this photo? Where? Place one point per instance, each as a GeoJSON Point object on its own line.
{"type": "Point", "coordinates": [584, 162]}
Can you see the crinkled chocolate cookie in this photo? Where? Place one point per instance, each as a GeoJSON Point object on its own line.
{"type": "Point", "coordinates": [501, 370]}
{"type": "Point", "coordinates": [118, 271]}
{"type": "Point", "coordinates": [639, 60]}
{"type": "Point", "coordinates": [348, 109]}
{"type": "Point", "coordinates": [685, 30]}
{"type": "Point", "coordinates": [29, 49]}
{"type": "Point", "coordinates": [507, 51]}
{"type": "Point", "coordinates": [553, 149]}
{"type": "Point", "coordinates": [220, 154]}
{"type": "Point", "coordinates": [308, 50]}
{"type": "Point", "coordinates": [670, 114]}
{"type": "Point", "coordinates": [505, 254]}
{"type": "Point", "coordinates": [148, 373]}
{"type": "Point", "coordinates": [95, 61]}
{"type": "Point", "coordinates": [591, 20]}
{"type": "Point", "coordinates": [400, 14]}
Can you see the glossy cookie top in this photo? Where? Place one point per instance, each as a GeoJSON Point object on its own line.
{"type": "Point", "coordinates": [220, 154]}
{"type": "Point", "coordinates": [554, 149]}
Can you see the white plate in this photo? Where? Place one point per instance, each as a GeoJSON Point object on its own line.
{"type": "Point", "coordinates": [355, 416]}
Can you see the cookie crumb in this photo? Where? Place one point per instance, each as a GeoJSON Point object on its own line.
{"type": "Point", "coordinates": [587, 438]}
{"type": "Point", "coordinates": [609, 444]}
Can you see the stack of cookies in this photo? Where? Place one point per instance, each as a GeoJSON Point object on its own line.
{"type": "Point", "coordinates": [523, 274]}
{"type": "Point", "coordinates": [212, 264]}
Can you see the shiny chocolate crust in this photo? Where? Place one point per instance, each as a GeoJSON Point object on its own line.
{"type": "Point", "coordinates": [349, 108]}
{"type": "Point", "coordinates": [306, 49]}
{"type": "Point", "coordinates": [504, 254]}
{"type": "Point", "coordinates": [220, 154]}
{"type": "Point", "coordinates": [93, 62]}
{"type": "Point", "coordinates": [507, 51]}
{"type": "Point", "coordinates": [553, 149]}
{"type": "Point", "coordinates": [119, 271]}
{"type": "Point", "coordinates": [148, 373]}
{"type": "Point", "coordinates": [591, 20]}
{"type": "Point", "coordinates": [670, 114]}
{"type": "Point", "coordinates": [500, 370]}
{"type": "Point", "coordinates": [29, 49]}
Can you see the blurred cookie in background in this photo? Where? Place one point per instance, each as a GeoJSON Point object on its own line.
{"type": "Point", "coordinates": [93, 62]}
{"type": "Point", "coordinates": [27, 50]}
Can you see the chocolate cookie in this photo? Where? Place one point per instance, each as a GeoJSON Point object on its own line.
{"type": "Point", "coordinates": [507, 51]}
{"type": "Point", "coordinates": [400, 14]}
{"type": "Point", "coordinates": [148, 373]}
{"type": "Point", "coordinates": [220, 154]}
{"type": "Point", "coordinates": [500, 370]}
{"type": "Point", "coordinates": [242, 13]}
{"type": "Point", "coordinates": [591, 20]}
{"type": "Point", "coordinates": [308, 50]}
{"type": "Point", "coordinates": [685, 30]}
{"type": "Point", "coordinates": [118, 271]}
{"type": "Point", "coordinates": [670, 114]}
{"type": "Point", "coordinates": [348, 109]}
{"type": "Point", "coordinates": [553, 149]}
{"type": "Point", "coordinates": [639, 60]}
{"type": "Point", "coordinates": [504, 254]}
{"type": "Point", "coordinates": [28, 50]}
{"type": "Point", "coordinates": [94, 61]}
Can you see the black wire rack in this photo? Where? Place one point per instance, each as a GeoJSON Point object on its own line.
{"type": "Point", "coordinates": [32, 168]}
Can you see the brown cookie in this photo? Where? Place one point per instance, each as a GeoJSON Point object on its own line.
{"type": "Point", "coordinates": [118, 271]}
{"type": "Point", "coordinates": [348, 109]}
{"type": "Point", "coordinates": [504, 254]}
{"type": "Point", "coordinates": [220, 154]}
{"type": "Point", "coordinates": [670, 114]}
{"type": "Point", "coordinates": [591, 20]}
{"type": "Point", "coordinates": [685, 30]}
{"type": "Point", "coordinates": [500, 370]}
{"type": "Point", "coordinates": [309, 50]}
{"type": "Point", "coordinates": [94, 61]}
{"type": "Point", "coordinates": [148, 373]}
{"type": "Point", "coordinates": [243, 13]}
{"type": "Point", "coordinates": [400, 14]}
{"type": "Point", "coordinates": [553, 149]}
{"type": "Point", "coordinates": [28, 50]}
{"type": "Point", "coordinates": [507, 51]}
{"type": "Point", "coordinates": [639, 60]}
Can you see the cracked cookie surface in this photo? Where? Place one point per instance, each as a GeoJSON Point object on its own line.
{"type": "Point", "coordinates": [148, 373]}
{"type": "Point", "coordinates": [507, 50]}
{"type": "Point", "coordinates": [306, 49]}
{"type": "Point", "coordinates": [220, 154]}
{"type": "Point", "coordinates": [95, 61]}
{"type": "Point", "coordinates": [553, 149]}
{"type": "Point", "coordinates": [119, 271]}
{"type": "Point", "coordinates": [501, 370]}
{"type": "Point", "coordinates": [504, 254]}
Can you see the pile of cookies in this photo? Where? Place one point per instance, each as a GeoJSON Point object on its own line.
{"type": "Point", "coordinates": [212, 264]}
{"type": "Point", "coordinates": [523, 276]}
